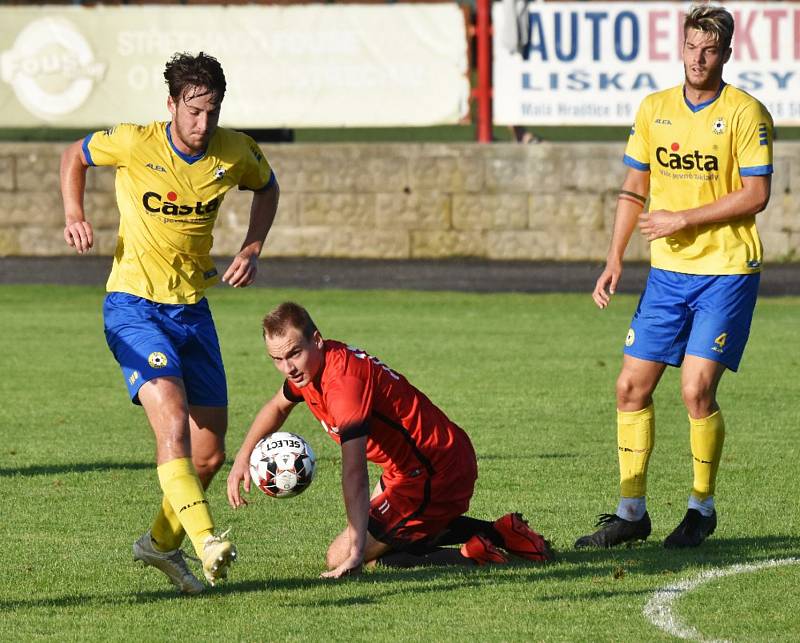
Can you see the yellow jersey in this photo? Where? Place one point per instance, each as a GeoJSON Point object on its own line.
{"type": "Point", "coordinates": [696, 154]}
{"type": "Point", "coordinates": [168, 203]}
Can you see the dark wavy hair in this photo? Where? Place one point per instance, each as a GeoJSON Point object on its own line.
{"type": "Point", "coordinates": [288, 315]}
{"type": "Point", "coordinates": [185, 71]}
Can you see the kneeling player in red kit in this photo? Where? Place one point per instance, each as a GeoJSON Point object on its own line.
{"type": "Point", "coordinates": [375, 414]}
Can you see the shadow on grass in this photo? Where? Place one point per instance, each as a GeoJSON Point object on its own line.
{"type": "Point", "coordinates": [648, 562]}
{"type": "Point", "coordinates": [80, 467]}
{"type": "Point", "coordinates": [377, 586]}
{"type": "Point", "coordinates": [137, 598]}
{"type": "Point", "coordinates": [533, 456]}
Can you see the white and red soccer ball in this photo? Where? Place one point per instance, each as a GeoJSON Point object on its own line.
{"type": "Point", "coordinates": [282, 464]}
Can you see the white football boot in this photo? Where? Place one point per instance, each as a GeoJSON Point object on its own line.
{"type": "Point", "coordinates": [218, 554]}
{"type": "Point", "coordinates": [171, 563]}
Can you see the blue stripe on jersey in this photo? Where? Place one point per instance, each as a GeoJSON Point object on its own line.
{"type": "Point", "coordinates": [636, 165]}
{"type": "Point", "coordinates": [272, 181]}
{"type": "Point", "coordinates": [87, 155]}
{"type": "Point", "coordinates": [189, 158]}
{"type": "Point", "coordinates": [699, 106]}
{"type": "Point", "coordinates": [758, 170]}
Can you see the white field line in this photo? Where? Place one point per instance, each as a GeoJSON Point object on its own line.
{"type": "Point", "coordinates": [659, 608]}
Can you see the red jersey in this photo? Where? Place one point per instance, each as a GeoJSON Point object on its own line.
{"type": "Point", "coordinates": [356, 394]}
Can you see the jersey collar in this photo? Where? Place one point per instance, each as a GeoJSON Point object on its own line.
{"type": "Point", "coordinates": [189, 158]}
{"type": "Point", "coordinates": [699, 106]}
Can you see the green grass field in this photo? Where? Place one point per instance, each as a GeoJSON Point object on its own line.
{"type": "Point", "coordinates": [530, 377]}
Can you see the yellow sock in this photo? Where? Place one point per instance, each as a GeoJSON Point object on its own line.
{"type": "Point", "coordinates": [635, 439]}
{"type": "Point", "coordinates": [707, 436]}
{"type": "Point", "coordinates": [182, 488]}
{"type": "Point", "coordinates": [167, 532]}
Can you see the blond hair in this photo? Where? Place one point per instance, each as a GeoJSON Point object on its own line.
{"type": "Point", "coordinates": [712, 20]}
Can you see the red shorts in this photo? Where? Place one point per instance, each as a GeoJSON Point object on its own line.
{"type": "Point", "coordinates": [414, 509]}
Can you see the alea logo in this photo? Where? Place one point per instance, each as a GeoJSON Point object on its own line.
{"type": "Point", "coordinates": [51, 68]}
{"type": "Point", "coordinates": [689, 161]}
{"type": "Point", "coordinates": [154, 202]}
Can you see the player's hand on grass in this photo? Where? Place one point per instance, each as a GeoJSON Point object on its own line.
{"type": "Point", "coordinates": [242, 271]}
{"type": "Point", "coordinates": [350, 567]}
{"type": "Point", "coordinates": [606, 285]}
{"type": "Point", "coordinates": [660, 223]}
{"type": "Point", "coordinates": [239, 476]}
{"type": "Point", "coordinates": [79, 235]}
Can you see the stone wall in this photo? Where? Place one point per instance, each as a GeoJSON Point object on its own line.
{"type": "Point", "coordinates": [398, 201]}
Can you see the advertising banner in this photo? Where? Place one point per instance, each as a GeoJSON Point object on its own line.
{"type": "Point", "coordinates": [591, 63]}
{"type": "Point", "coordinates": [299, 66]}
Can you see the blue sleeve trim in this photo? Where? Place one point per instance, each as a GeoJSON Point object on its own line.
{"type": "Point", "coordinates": [636, 165]}
{"type": "Point", "coordinates": [758, 170]}
{"type": "Point", "coordinates": [87, 155]}
{"type": "Point", "coordinates": [272, 181]}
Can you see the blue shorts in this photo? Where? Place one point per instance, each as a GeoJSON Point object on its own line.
{"type": "Point", "coordinates": [151, 340]}
{"type": "Point", "coordinates": [703, 315]}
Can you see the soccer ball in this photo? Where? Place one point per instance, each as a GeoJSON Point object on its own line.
{"type": "Point", "coordinates": [282, 464]}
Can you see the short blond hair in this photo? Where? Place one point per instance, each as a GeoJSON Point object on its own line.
{"type": "Point", "coordinates": [712, 20]}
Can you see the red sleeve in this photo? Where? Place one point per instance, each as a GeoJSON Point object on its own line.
{"type": "Point", "coordinates": [349, 401]}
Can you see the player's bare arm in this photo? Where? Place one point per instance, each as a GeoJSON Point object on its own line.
{"type": "Point", "coordinates": [243, 268]}
{"type": "Point", "coordinates": [630, 203]}
{"type": "Point", "coordinates": [269, 419]}
{"type": "Point", "coordinates": [77, 230]}
{"type": "Point", "coordinates": [751, 199]}
{"type": "Point", "coordinates": [355, 488]}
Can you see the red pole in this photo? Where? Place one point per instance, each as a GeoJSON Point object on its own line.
{"type": "Point", "coordinates": [483, 35]}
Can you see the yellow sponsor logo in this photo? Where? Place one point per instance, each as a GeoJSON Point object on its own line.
{"type": "Point", "coordinates": [134, 376]}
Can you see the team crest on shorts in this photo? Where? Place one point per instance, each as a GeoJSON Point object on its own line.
{"type": "Point", "coordinates": [630, 338]}
{"type": "Point", "coordinates": [157, 359]}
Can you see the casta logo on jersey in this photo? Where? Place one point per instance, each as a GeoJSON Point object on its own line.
{"type": "Point", "coordinates": [154, 202]}
{"type": "Point", "coordinates": [51, 68]}
{"type": "Point", "coordinates": [694, 160]}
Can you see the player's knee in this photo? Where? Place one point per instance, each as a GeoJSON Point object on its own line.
{"type": "Point", "coordinates": [631, 393]}
{"type": "Point", "coordinates": [172, 438]}
{"type": "Point", "coordinates": [209, 464]}
{"type": "Point", "coordinates": [332, 558]}
{"type": "Point", "coordinates": [699, 399]}
{"type": "Point", "coordinates": [338, 551]}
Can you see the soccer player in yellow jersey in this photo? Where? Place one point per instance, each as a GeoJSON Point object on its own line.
{"type": "Point", "coordinates": [171, 179]}
{"type": "Point", "coordinates": [703, 153]}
